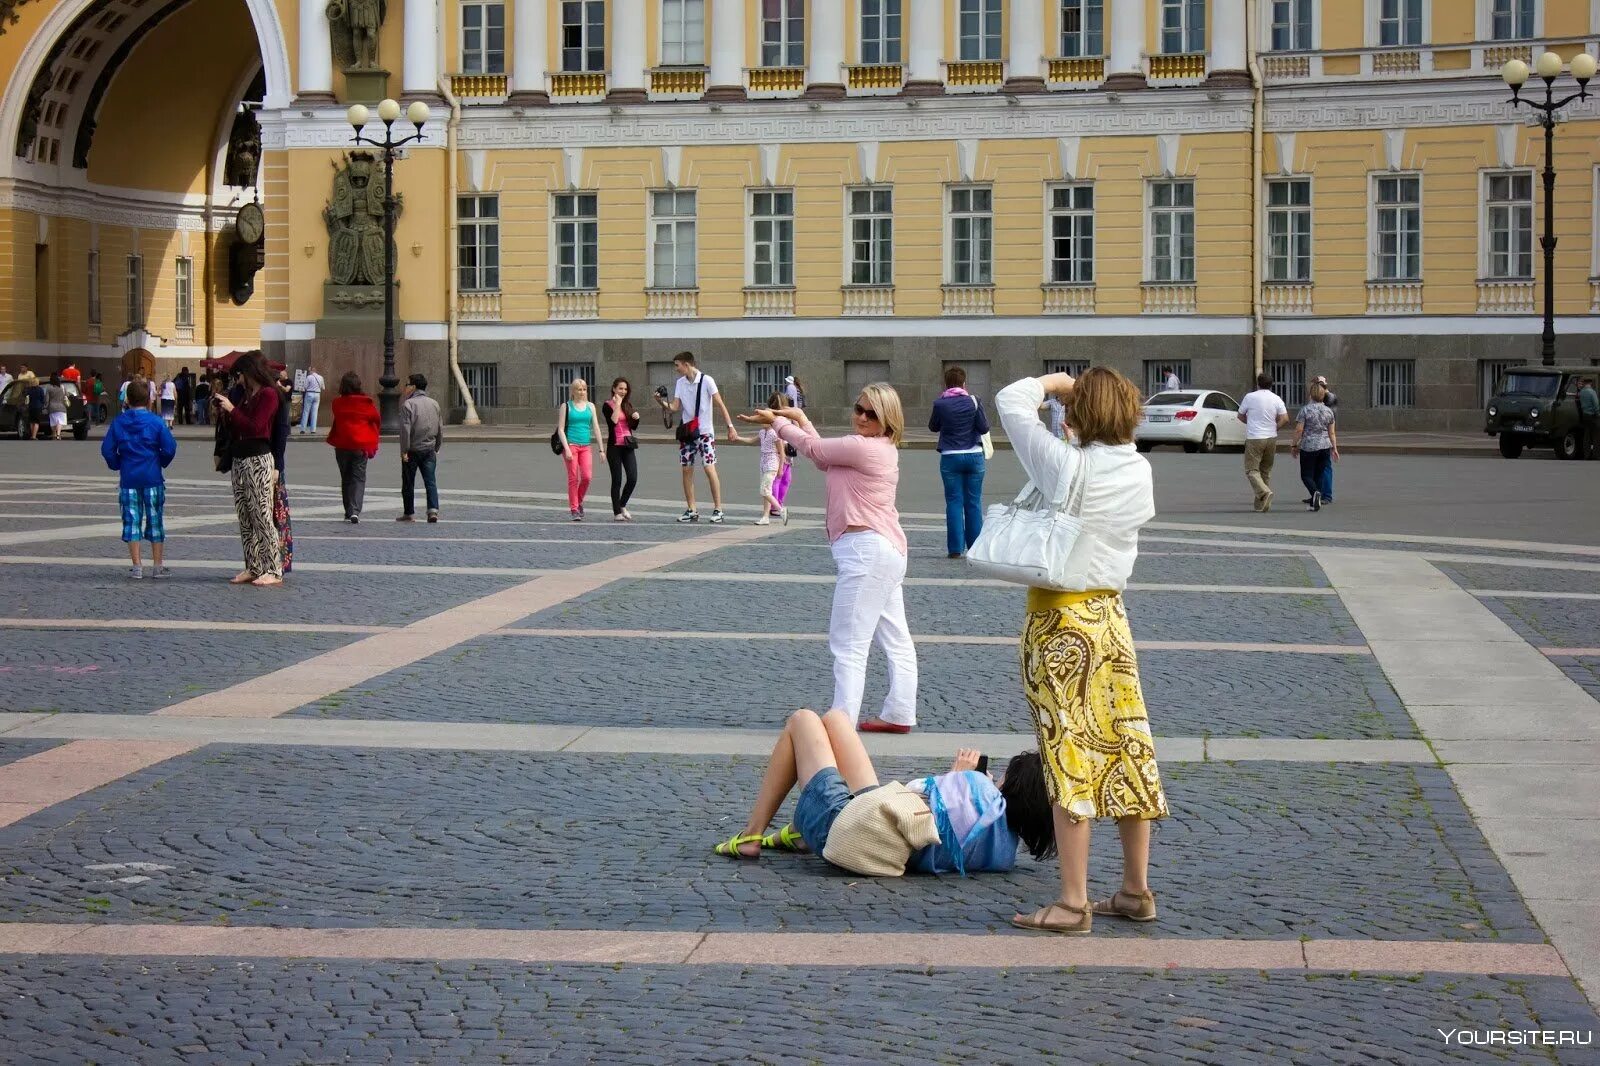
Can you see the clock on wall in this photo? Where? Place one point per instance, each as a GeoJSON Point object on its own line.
{"type": "Point", "coordinates": [250, 223]}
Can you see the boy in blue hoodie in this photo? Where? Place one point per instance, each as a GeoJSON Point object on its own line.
{"type": "Point", "coordinates": [139, 444]}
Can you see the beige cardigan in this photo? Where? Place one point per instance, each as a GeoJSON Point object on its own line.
{"type": "Point", "coordinates": [877, 831]}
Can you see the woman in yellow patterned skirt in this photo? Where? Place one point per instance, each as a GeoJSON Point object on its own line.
{"type": "Point", "coordinates": [1078, 663]}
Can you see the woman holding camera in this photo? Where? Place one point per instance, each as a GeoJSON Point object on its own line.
{"type": "Point", "coordinates": [250, 421]}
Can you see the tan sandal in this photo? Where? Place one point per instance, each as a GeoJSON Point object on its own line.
{"type": "Point", "coordinates": [1139, 907]}
{"type": "Point", "coordinates": [1040, 921]}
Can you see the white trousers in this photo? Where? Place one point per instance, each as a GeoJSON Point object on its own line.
{"type": "Point", "coordinates": [868, 606]}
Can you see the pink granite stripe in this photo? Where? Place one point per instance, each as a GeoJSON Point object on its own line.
{"type": "Point", "coordinates": [1403, 956]}
{"type": "Point", "coordinates": [29, 785]}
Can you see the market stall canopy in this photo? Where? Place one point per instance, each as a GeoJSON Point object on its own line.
{"type": "Point", "coordinates": [225, 363]}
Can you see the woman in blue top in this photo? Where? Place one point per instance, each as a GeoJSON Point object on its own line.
{"type": "Point", "coordinates": [959, 420]}
{"type": "Point", "coordinates": [578, 423]}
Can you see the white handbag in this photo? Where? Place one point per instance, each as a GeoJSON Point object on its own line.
{"type": "Point", "coordinates": [1029, 541]}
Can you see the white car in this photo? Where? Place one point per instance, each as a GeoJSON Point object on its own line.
{"type": "Point", "coordinates": [1198, 419]}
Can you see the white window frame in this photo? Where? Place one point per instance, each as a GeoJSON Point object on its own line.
{"type": "Point", "coordinates": [1307, 210]}
{"type": "Point", "coordinates": [1374, 12]}
{"type": "Point", "coordinates": [587, 28]}
{"type": "Point", "coordinates": [1486, 13]}
{"type": "Point", "coordinates": [1486, 211]}
{"type": "Point", "coordinates": [981, 266]}
{"type": "Point", "coordinates": [92, 268]}
{"type": "Point", "coordinates": [677, 15]}
{"type": "Point", "coordinates": [789, 52]}
{"type": "Point", "coordinates": [1269, 12]}
{"type": "Point", "coordinates": [1404, 392]}
{"type": "Point", "coordinates": [678, 222]}
{"type": "Point", "coordinates": [183, 292]}
{"type": "Point", "coordinates": [1052, 213]}
{"type": "Point", "coordinates": [1374, 237]}
{"type": "Point", "coordinates": [1191, 36]}
{"type": "Point", "coordinates": [567, 227]}
{"type": "Point", "coordinates": [133, 289]}
{"type": "Point", "coordinates": [879, 270]}
{"type": "Point", "coordinates": [985, 46]}
{"type": "Point", "coordinates": [483, 59]}
{"type": "Point", "coordinates": [1085, 41]}
{"type": "Point", "coordinates": [890, 47]}
{"type": "Point", "coordinates": [769, 238]}
{"type": "Point", "coordinates": [1150, 209]}
{"type": "Point", "coordinates": [484, 277]}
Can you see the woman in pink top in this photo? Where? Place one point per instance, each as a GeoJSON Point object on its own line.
{"type": "Point", "coordinates": [861, 472]}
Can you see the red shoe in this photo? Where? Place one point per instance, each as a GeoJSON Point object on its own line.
{"type": "Point", "coordinates": [878, 725]}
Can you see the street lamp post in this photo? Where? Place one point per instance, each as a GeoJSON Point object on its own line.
{"type": "Point", "coordinates": [1548, 66]}
{"type": "Point", "coordinates": [389, 113]}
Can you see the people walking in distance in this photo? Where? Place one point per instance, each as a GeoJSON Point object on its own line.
{"type": "Point", "coordinates": [1173, 383]}
{"type": "Point", "coordinates": [1332, 402]}
{"type": "Point", "coordinates": [959, 420]}
{"type": "Point", "coordinates": [55, 406]}
{"type": "Point", "coordinates": [169, 401]}
{"type": "Point", "coordinates": [71, 373]}
{"type": "Point", "coordinates": [311, 400]}
{"type": "Point", "coordinates": [862, 472]}
{"type": "Point", "coordinates": [1588, 420]}
{"type": "Point", "coordinates": [5, 377]}
{"type": "Point", "coordinates": [578, 425]}
{"type": "Point", "coordinates": [251, 412]}
{"type": "Point", "coordinates": [38, 403]}
{"type": "Point", "coordinates": [421, 439]}
{"type": "Point", "coordinates": [1263, 414]}
{"type": "Point", "coordinates": [138, 446]}
{"type": "Point", "coordinates": [202, 401]}
{"type": "Point", "coordinates": [185, 395]}
{"type": "Point", "coordinates": [622, 444]}
{"type": "Point", "coordinates": [695, 398]}
{"type": "Point", "coordinates": [794, 391]}
{"type": "Point", "coordinates": [960, 821]}
{"type": "Point", "coordinates": [1079, 670]}
{"type": "Point", "coordinates": [97, 397]}
{"type": "Point", "coordinates": [354, 436]}
{"type": "Point", "coordinates": [1316, 441]}
{"type": "Point", "coordinates": [774, 460]}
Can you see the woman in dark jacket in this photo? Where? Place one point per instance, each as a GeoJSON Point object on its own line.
{"type": "Point", "coordinates": [354, 437]}
{"type": "Point", "coordinates": [250, 415]}
{"type": "Point", "coordinates": [622, 425]}
{"type": "Point", "coordinates": [959, 420]}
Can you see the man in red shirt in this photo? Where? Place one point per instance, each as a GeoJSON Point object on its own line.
{"type": "Point", "coordinates": [71, 373]}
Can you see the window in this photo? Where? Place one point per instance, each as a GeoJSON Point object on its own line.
{"type": "Point", "coordinates": [1288, 380]}
{"type": "Point", "coordinates": [971, 236]}
{"type": "Point", "coordinates": [672, 234]}
{"type": "Point", "coordinates": [772, 238]}
{"type": "Point", "coordinates": [880, 31]}
{"type": "Point", "coordinates": [478, 243]}
{"type": "Point", "coordinates": [1075, 367]}
{"type": "Point", "coordinates": [1291, 25]}
{"type": "Point", "coordinates": [483, 38]}
{"type": "Point", "coordinates": [562, 375]}
{"type": "Point", "coordinates": [1072, 234]}
{"type": "Point", "coordinates": [135, 291]}
{"type": "Point", "coordinates": [183, 303]}
{"type": "Point", "coordinates": [1289, 229]}
{"type": "Point", "coordinates": [1511, 20]}
{"type": "Point", "coordinates": [1491, 372]}
{"type": "Point", "coordinates": [1399, 228]}
{"type": "Point", "coordinates": [683, 32]}
{"type": "Point", "coordinates": [1156, 372]}
{"type": "Point", "coordinates": [583, 35]}
{"type": "Point", "coordinates": [871, 236]}
{"type": "Point", "coordinates": [1399, 22]}
{"type": "Point", "coordinates": [980, 29]}
{"type": "Point", "coordinates": [577, 220]}
{"type": "Point", "coordinates": [483, 383]}
{"type": "Point", "coordinates": [1183, 26]}
{"type": "Point", "coordinates": [765, 379]}
{"type": "Point", "coordinates": [783, 33]}
{"type": "Point", "coordinates": [1508, 225]}
{"type": "Point", "coordinates": [94, 288]}
{"type": "Point", "coordinates": [1171, 232]}
{"type": "Point", "coordinates": [1394, 382]}
{"type": "Point", "coordinates": [1083, 27]}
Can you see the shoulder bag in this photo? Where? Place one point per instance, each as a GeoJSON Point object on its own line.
{"type": "Point", "coordinates": [986, 439]}
{"type": "Point", "coordinates": [689, 428]}
{"type": "Point", "coordinates": [555, 438]}
{"type": "Point", "coordinates": [1029, 541]}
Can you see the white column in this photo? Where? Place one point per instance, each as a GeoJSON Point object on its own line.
{"type": "Point", "coordinates": [627, 60]}
{"type": "Point", "coordinates": [727, 48]}
{"type": "Point", "coordinates": [1127, 38]}
{"type": "Point", "coordinates": [823, 76]}
{"type": "Point", "coordinates": [1026, 64]}
{"type": "Point", "coordinates": [529, 47]}
{"type": "Point", "coordinates": [1227, 35]}
{"type": "Point", "coordinates": [421, 71]}
{"type": "Point", "coordinates": [926, 51]}
{"type": "Point", "coordinates": [316, 57]}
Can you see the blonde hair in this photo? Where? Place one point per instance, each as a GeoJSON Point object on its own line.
{"type": "Point", "coordinates": [882, 398]}
{"type": "Point", "coordinates": [1105, 407]}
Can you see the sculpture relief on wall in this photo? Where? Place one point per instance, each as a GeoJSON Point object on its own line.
{"type": "Point", "coordinates": [354, 26]}
{"type": "Point", "coordinates": [244, 149]}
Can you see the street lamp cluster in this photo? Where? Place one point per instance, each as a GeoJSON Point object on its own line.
{"type": "Point", "coordinates": [1548, 67]}
{"type": "Point", "coordinates": [388, 114]}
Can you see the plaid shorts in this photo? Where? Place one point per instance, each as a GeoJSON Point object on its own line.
{"type": "Point", "coordinates": [704, 445]}
{"type": "Point", "coordinates": [141, 513]}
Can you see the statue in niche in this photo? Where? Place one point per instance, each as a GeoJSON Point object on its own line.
{"type": "Point", "coordinates": [355, 25]}
{"type": "Point", "coordinates": [244, 149]}
{"type": "Point", "coordinates": [354, 217]}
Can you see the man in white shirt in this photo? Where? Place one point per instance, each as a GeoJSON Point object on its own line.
{"type": "Point", "coordinates": [1173, 384]}
{"type": "Point", "coordinates": [311, 400]}
{"type": "Point", "coordinates": [695, 397]}
{"type": "Point", "coordinates": [5, 377]}
{"type": "Point", "coordinates": [1263, 414]}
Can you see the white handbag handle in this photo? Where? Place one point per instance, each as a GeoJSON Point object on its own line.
{"type": "Point", "coordinates": [1075, 488]}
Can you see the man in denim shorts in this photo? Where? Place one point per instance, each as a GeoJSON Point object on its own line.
{"type": "Point", "coordinates": [695, 397]}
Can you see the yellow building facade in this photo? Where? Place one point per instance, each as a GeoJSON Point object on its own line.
{"type": "Point", "coordinates": [844, 190]}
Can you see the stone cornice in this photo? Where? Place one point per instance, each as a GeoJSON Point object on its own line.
{"type": "Point", "coordinates": [110, 208]}
{"type": "Point", "coordinates": [1395, 105]}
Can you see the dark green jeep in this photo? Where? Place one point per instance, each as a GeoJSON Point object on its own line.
{"type": "Point", "coordinates": [1537, 407]}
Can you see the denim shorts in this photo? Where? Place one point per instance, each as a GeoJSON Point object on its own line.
{"type": "Point", "coordinates": [824, 796]}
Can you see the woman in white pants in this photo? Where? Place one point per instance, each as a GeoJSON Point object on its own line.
{"type": "Point", "coordinates": [862, 472]}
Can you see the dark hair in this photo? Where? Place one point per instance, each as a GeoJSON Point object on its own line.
{"type": "Point", "coordinates": [418, 381]}
{"type": "Point", "coordinates": [627, 401]}
{"type": "Point", "coordinates": [252, 367]}
{"type": "Point", "coordinates": [777, 401]}
{"type": "Point", "coordinates": [1263, 380]}
{"type": "Point", "coordinates": [138, 393]}
{"type": "Point", "coordinates": [684, 357]}
{"type": "Point", "coordinates": [1029, 811]}
{"type": "Point", "coordinates": [55, 379]}
{"type": "Point", "coordinates": [954, 377]}
{"type": "Point", "coordinates": [350, 384]}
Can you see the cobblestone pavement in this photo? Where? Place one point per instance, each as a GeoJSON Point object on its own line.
{"type": "Point", "coordinates": [1523, 578]}
{"type": "Point", "coordinates": [1550, 622]}
{"type": "Point", "coordinates": [1584, 669]}
{"type": "Point", "coordinates": [12, 750]}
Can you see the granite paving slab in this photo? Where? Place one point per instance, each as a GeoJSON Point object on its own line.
{"type": "Point", "coordinates": [1550, 623]}
{"type": "Point", "coordinates": [383, 547]}
{"type": "Point", "coordinates": [390, 838]}
{"type": "Point", "coordinates": [1522, 578]}
{"type": "Point", "coordinates": [1584, 669]}
{"type": "Point", "coordinates": [14, 748]}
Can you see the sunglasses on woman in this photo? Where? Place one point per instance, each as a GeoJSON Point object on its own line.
{"type": "Point", "coordinates": [870, 415]}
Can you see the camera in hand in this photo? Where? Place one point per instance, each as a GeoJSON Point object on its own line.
{"type": "Point", "coordinates": [983, 764]}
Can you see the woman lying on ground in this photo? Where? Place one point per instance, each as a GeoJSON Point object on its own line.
{"type": "Point", "coordinates": [957, 822]}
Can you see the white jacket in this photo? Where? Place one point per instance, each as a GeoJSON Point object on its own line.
{"type": "Point", "coordinates": [1118, 498]}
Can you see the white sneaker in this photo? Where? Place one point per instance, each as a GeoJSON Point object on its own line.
{"type": "Point", "coordinates": [716, 518]}
{"type": "Point", "coordinates": [160, 572]}
{"type": "Point", "coordinates": [136, 572]}
{"type": "Point", "coordinates": [763, 521]}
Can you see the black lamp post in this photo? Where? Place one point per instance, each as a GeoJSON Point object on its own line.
{"type": "Point", "coordinates": [389, 113]}
{"type": "Point", "coordinates": [1548, 68]}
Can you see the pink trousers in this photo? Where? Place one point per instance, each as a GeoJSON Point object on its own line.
{"type": "Point", "coordinates": [580, 471]}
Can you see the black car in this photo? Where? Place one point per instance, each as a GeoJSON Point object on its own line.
{"type": "Point", "coordinates": [14, 411]}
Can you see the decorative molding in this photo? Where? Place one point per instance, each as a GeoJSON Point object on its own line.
{"type": "Point", "coordinates": [966, 158]}
{"type": "Point", "coordinates": [1394, 144]}
{"type": "Point", "coordinates": [1505, 140]}
{"type": "Point", "coordinates": [882, 325]}
{"type": "Point", "coordinates": [671, 165]}
{"type": "Point", "coordinates": [572, 166]}
{"type": "Point", "coordinates": [769, 163]}
{"type": "Point", "coordinates": [1167, 155]}
{"type": "Point", "coordinates": [103, 206]}
{"type": "Point", "coordinates": [1067, 155]}
{"type": "Point", "coordinates": [867, 161]}
{"type": "Point", "coordinates": [1286, 158]}
{"type": "Point", "coordinates": [476, 161]}
{"type": "Point", "coordinates": [1367, 105]}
